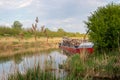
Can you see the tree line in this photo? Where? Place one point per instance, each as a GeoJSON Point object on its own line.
{"type": "Point", "coordinates": [16, 29]}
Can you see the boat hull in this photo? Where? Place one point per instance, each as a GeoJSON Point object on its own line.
{"type": "Point", "coordinates": [77, 50]}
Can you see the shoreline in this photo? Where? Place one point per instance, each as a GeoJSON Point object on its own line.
{"type": "Point", "coordinates": [12, 46]}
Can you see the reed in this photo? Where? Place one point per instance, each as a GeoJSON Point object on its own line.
{"type": "Point", "coordinates": [34, 28]}
{"type": "Point", "coordinates": [96, 66]}
{"type": "Point", "coordinates": [33, 74]}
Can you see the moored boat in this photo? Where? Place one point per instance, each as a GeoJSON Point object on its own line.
{"type": "Point", "coordinates": [77, 46]}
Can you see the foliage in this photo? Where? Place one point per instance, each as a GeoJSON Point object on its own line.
{"type": "Point", "coordinates": [76, 68]}
{"type": "Point", "coordinates": [104, 26]}
{"type": "Point", "coordinates": [8, 31]}
{"type": "Point", "coordinates": [17, 25]}
{"type": "Point", "coordinates": [101, 64]}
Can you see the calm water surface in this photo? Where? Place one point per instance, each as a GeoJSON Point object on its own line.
{"type": "Point", "coordinates": [22, 62]}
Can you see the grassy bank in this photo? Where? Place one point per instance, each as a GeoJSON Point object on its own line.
{"type": "Point", "coordinates": [10, 46]}
{"type": "Point", "coordinates": [94, 67]}
{"type": "Point", "coordinates": [80, 67]}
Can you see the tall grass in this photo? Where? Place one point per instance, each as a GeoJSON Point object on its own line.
{"type": "Point", "coordinates": [12, 46]}
{"type": "Point", "coordinates": [93, 67]}
{"type": "Point", "coordinates": [33, 74]}
{"type": "Point", "coordinates": [96, 66]}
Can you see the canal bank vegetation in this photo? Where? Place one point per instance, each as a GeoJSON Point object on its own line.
{"type": "Point", "coordinates": [104, 31]}
{"type": "Point", "coordinates": [104, 64]}
{"type": "Point", "coordinates": [16, 39]}
{"type": "Point", "coordinates": [33, 74]}
{"type": "Point", "coordinates": [7, 31]}
{"type": "Point", "coordinates": [94, 67]}
{"type": "Point", "coordinates": [12, 46]}
{"type": "Point", "coordinates": [78, 67]}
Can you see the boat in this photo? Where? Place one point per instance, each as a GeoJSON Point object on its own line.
{"type": "Point", "coordinates": [76, 46]}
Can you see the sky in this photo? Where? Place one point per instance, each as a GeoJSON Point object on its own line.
{"type": "Point", "coordinates": [54, 14]}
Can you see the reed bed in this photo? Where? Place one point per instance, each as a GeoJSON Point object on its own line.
{"type": "Point", "coordinates": [79, 67]}
{"type": "Point", "coordinates": [104, 66]}
{"type": "Point", "coordinates": [94, 67]}
{"type": "Point", "coordinates": [33, 74]}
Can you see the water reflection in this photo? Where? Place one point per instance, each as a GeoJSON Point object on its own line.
{"type": "Point", "coordinates": [50, 59]}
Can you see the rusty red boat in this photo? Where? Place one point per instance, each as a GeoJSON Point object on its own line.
{"type": "Point", "coordinates": [83, 47]}
{"type": "Point", "coordinates": [78, 47]}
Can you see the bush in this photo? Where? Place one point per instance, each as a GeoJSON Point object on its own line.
{"type": "Point", "coordinates": [104, 26]}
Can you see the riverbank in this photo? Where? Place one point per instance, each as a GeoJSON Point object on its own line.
{"type": "Point", "coordinates": [78, 67]}
{"type": "Point", "coordinates": [10, 46]}
{"type": "Point", "coordinates": [94, 67]}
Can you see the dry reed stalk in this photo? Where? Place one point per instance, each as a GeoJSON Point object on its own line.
{"type": "Point", "coordinates": [34, 28]}
{"type": "Point", "coordinates": [84, 55]}
{"type": "Point", "coordinates": [43, 29]}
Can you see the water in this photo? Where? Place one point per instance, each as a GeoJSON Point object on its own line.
{"type": "Point", "coordinates": [22, 62]}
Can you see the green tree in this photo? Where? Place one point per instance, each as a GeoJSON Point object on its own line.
{"type": "Point", "coordinates": [104, 27]}
{"type": "Point", "coordinates": [17, 25]}
{"type": "Point", "coordinates": [61, 32]}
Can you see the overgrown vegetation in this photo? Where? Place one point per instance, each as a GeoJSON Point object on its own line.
{"type": "Point", "coordinates": [104, 26]}
{"type": "Point", "coordinates": [33, 74]}
{"type": "Point", "coordinates": [95, 67]}
{"type": "Point", "coordinates": [79, 67]}
{"type": "Point", "coordinates": [15, 32]}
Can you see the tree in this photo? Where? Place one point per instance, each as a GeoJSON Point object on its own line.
{"type": "Point", "coordinates": [17, 25]}
{"type": "Point", "coordinates": [104, 27]}
{"type": "Point", "coordinates": [60, 30]}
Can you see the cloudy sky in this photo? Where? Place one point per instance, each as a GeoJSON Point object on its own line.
{"type": "Point", "coordinates": [54, 14]}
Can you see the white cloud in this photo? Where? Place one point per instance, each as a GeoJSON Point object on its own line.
{"type": "Point", "coordinates": [67, 14]}
{"type": "Point", "coordinates": [91, 3]}
{"type": "Point", "coordinates": [25, 3]}
{"type": "Point", "coordinates": [5, 24]}
{"type": "Point", "coordinates": [54, 28]}
{"type": "Point", "coordinates": [96, 2]}
{"type": "Point", "coordinates": [68, 20]}
{"type": "Point", "coordinates": [13, 4]}
{"type": "Point", "coordinates": [68, 24]}
{"type": "Point", "coordinates": [1, 3]}
{"type": "Point", "coordinates": [62, 21]}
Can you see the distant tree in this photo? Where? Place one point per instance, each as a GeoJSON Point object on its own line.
{"type": "Point", "coordinates": [104, 27]}
{"type": "Point", "coordinates": [77, 34]}
{"type": "Point", "coordinates": [48, 30]}
{"type": "Point", "coordinates": [17, 25]}
{"type": "Point", "coordinates": [60, 30]}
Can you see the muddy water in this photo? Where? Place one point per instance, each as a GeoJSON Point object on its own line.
{"type": "Point", "coordinates": [21, 63]}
